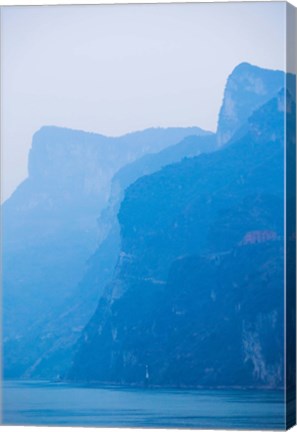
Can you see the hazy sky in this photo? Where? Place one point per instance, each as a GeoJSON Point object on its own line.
{"type": "Point", "coordinates": [114, 69]}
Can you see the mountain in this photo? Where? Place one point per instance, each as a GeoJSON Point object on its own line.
{"type": "Point", "coordinates": [65, 329]}
{"type": "Point", "coordinates": [103, 262]}
{"type": "Point", "coordinates": [247, 88]}
{"type": "Point", "coordinates": [63, 235]}
{"type": "Point", "coordinates": [148, 164]}
{"type": "Point", "coordinates": [201, 252]}
{"type": "Point", "coordinates": [50, 229]}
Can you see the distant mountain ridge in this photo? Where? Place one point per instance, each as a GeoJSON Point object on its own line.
{"type": "Point", "coordinates": [99, 269]}
{"type": "Point", "coordinates": [50, 229]}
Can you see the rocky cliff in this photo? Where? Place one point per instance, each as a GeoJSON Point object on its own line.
{"type": "Point", "coordinates": [247, 88]}
{"type": "Point", "coordinates": [190, 298]}
{"type": "Point", "coordinates": [50, 229]}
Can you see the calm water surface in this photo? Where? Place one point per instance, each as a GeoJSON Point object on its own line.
{"type": "Point", "coordinates": [40, 403]}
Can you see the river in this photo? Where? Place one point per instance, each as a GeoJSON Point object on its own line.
{"type": "Point", "coordinates": [43, 403]}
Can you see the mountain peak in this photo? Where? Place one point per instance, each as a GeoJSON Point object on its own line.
{"type": "Point", "coordinates": [53, 132]}
{"type": "Point", "coordinates": [244, 66]}
{"type": "Point", "coordinates": [248, 87]}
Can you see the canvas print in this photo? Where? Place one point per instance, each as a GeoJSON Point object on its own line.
{"type": "Point", "coordinates": [148, 215]}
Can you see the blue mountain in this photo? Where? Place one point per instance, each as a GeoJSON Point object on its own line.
{"type": "Point", "coordinates": [106, 221]}
{"type": "Point", "coordinates": [201, 253]}
{"type": "Point", "coordinates": [50, 229]}
{"type": "Point", "coordinates": [247, 88]}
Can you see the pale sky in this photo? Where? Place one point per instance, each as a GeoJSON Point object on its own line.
{"type": "Point", "coordinates": [115, 69]}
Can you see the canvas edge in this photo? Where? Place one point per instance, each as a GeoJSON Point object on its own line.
{"type": "Point", "coordinates": [290, 221]}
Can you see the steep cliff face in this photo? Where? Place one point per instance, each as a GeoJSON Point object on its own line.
{"type": "Point", "coordinates": [68, 166]}
{"type": "Point", "coordinates": [189, 298]}
{"type": "Point", "coordinates": [247, 88]}
{"type": "Point", "coordinates": [50, 229]}
{"type": "Point", "coordinates": [77, 310]}
{"type": "Point", "coordinates": [108, 220]}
